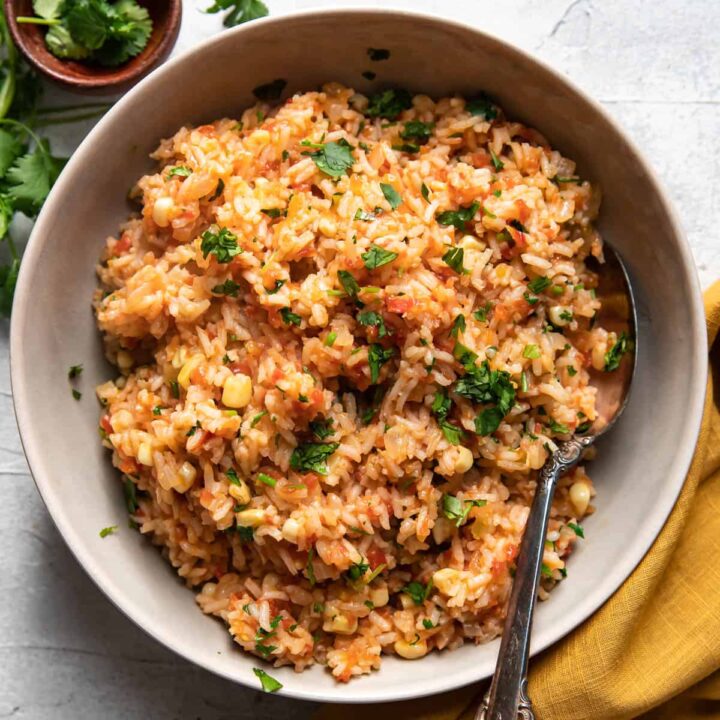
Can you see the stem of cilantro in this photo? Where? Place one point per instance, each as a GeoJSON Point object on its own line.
{"type": "Point", "coordinates": [25, 128]}
{"type": "Point", "coordinates": [36, 20]}
{"type": "Point", "coordinates": [7, 87]}
{"type": "Point", "coordinates": [11, 247]}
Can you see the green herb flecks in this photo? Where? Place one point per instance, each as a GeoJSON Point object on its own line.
{"type": "Point", "coordinates": [376, 257]}
{"type": "Point", "coordinates": [454, 258]}
{"type": "Point", "coordinates": [458, 218]}
{"type": "Point", "coordinates": [333, 158]}
{"type": "Point", "coordinates": [108, 531]}
{"type": "Point", "coordinates": [483, 106]}
{"type": "Point", "coordinates": [370, 318]}
{"type": "Point", "coordinates": [389, 104]}
{"type": "Point", "coordinates": [457, 510]}
{"type": "Point", "coordinates": [614, 355]}
{"type": "Point", "coordinates": [391, 195]}
{"type": "Point", "coordinates": [289, 317]}
{"type": "Point", "coordinates": [229, 287]}
{"type": "Point", "coordinates": [377, 357]}
{"type": "Point", "coordinates": [312, 457]}
{"type": "Point", "coordinates": [222, 243]}
{"type": "Point", "coordinates": [417, 591]}
{"type": "Point", "coordinates": [269, 684]}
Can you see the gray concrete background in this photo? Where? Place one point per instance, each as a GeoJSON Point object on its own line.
{"type": "Point", "coordinates": [65, 652]}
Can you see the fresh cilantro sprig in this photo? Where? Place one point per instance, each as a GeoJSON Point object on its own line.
{"type": "Point", "coordinates": [95, 30]}
{"type": "Point", "coordinates": [241, 11]}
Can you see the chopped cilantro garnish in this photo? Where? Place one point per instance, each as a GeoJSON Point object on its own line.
{"type": "Point", "coordinates": [389, 103]}
{"type": "Point", "coordinates": [333, 158]}
{"type": "Point", "coordinates": [130, 493]}
{"type": "Point", "coordinates": [245, 534]}
{"type": "Point", "coordinates": [278, 284]}
{"type": "Point", "coordinates": [330, 339]}
{"type": "Point", "coordinates": [425, 192]}
{"type": "Point", "coordinates": [614, 355]}
{"type": "Point", "coordinates": [289, 317]}
{"type": "Point", "coordinates": [376, 257]}
{"type": "Point", "coordinates": [232, 476]}
{"type": "Point", "coordinates": [322, 429]}
{"type": "Point", "coordinates": [312, 457]}
{"type": "Point", "coordinates": [269, 684]}
{"type": "Point", "coordinates": [577, 529]}
{"type": "Point", "coordinates": [108, 531]}
{"type": "Point", "coordinates": [391, 195]}
{"type": "Point", "coordinates": [417, 591]}
{"type": "Point", "coordinates": [427, 624]}
{"type": "Point", "coordinates": [180, 171]}
{"type": "Point", "coordinates": [454, 258]}
{"type": "Point", "coordinates": [222, 244]}
{"type": "Point", "coordinates": [498, 164]}
{"type": "Point", "coordinates": [523, 381]}
{"type": "Point", "coordinates": [229, 287]}
{"type": "Point", "coordinates": [538, 284]}
{"type": "Point", "coordinates": [357, 570]}
{"type": "Point", "coordinates": [458, 326]}
{"type": "Point", "coordinates": [377, 357]}
{"type": "Point", "coordinates": [349, 283]}
{"type": "Point", "coordinates": [74, 371]}
{"type": "Point", "coordinates": [416, 130]}
{"type": "Point", "coordinates": [76, 394]}
{"type": "Point", "coordinates": [482, 105]}
{"type": "Point", "coordinates": [370, 318]}
{"type": "Point", "coordinates": [457, 510]}
{"type": "Point", "coordinates": [531, 352]}
{"type": "Point", "coordinates": [258, 418]}
{"type": "Point", "coordinates": [157, 410]}
{"type": "Point", "coordinates": [274, 212]}
{"type": "Point", "coordinates": [558, 428]}
{"type": "Point", "coordinates": [546, 571]}
{"type": "Point", "coordinates": [481, 315]}
{"type": "Point", "coordinates": [458, 218]}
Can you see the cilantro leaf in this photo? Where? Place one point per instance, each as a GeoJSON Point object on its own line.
{"type": "Point", "coordinates": [88, 22]}
{"type": "Point", "coordinates": [312, 457]}
{"type": "Point", "coordinates": [452, 433]}
{"type": "Point", "coordinates": [47, 9]}
{"type": "Point", "coordinates": [369, 318]}
{"type": "Point", "coordinates": [389, 103]}
{"type": "Point", "coordinates": [180, 171]}
{"type": "Point", "coordinates": [458, 326]}
{"type": "Point", "coordinates": [482, 105]}
{"type": "Point", "coordinates": [376, 257]}
{"type": "Point", "coordinates": [377, 357]}
{"type": "Point", "coordinates": [457, 510]}
{"type": "Point", "coordinates": [30, 178]}
{"type": "Point", "coordinates": [538, 284]}
{"type": "Point", "coordinates": [333, 158]}
{"type": "Point", "coordinates": [488, 421]}
{"type": "Point", "coordinates": [417, 591]}
{"type": "Point", "coordinates": [454, 258]}
{"type": "Point", "coordinates": [458, 218]}
{"type": "Point", "coordinates": [614, 355]}
{"type": "Point", "coordinates": [229, 287]}
{"type": "Point", "coordinates": [577, 529]}
{"type": "Point", "coordinates": [416, 130]}
{"type": "Point", "coordinates": [441, 404]}
{"type": "Point", "coordinates": [357, 570]}
{"type": "Point", "coordinates": [289, 317]}
{"type": "Point", "coordinates": [221, 243]}
{"type": "Point", "coordinates": [10, 148]}
{"type": "Point", "coordinates": [108, 531]}
{"type": "Point", "coordinates": [391, 195]}
{"type": "Point", "coordinates": [8, 280]}
{"type": "Point", "coordinates": [61, 44]}
{"type": "Point", "coordinates": [269, 684]}
{"type": "Point", "coordinates": [425, 192]}
{"type": "Point", "coordinates": [128, 34]}
{"type": "Point", "coordinates": [241, 11]}
{"type": "Point", "coordinates": [349, 283]}
{"type": "Point", "coordinates": [322, 429]}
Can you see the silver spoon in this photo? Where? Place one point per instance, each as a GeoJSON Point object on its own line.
{"type": "Point", "coordinates": [507, 697]}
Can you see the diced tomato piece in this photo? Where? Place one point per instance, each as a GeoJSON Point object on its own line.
{"type": "Point", "coordinates": [376, 557]}
{"type": "Point", "coordinates": [399, 304]}
{"type": "Point", "coordinates": [105, 424]}
{"type": "Point", "coordinates": [240, 366]}
{"type": "Point", "coordinates": [480, 159]}
{"type": "Point", "coordinates": [278, 374]}
{"type": "Point", "coordinates": [123, 244]}
{"type": "Point", "coordinates": [128, 466]}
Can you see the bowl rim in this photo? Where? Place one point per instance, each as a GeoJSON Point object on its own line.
{"type": "Point", "coordinates": [113, 79]}
{"type": "Point", "coordinates": [103, 578]}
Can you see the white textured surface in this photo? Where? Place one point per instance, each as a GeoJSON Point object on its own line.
{"type": "Point", "coordinates": [65, 652]}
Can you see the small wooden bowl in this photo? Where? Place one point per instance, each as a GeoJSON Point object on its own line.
{"type": "Point", "coordinates": [88, 78]}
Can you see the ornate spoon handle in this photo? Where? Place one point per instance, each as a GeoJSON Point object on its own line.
{"type": "Point", "coordinates": [507, 697]}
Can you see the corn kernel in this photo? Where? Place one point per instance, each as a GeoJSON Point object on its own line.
{"type": "Point", "coordinates": [237, 391]}
{"type": "Point", "coordinates": [162, 210]}
{"type": "Point", "coordinates": [240, 492]}
{"type": "Point", "coordinates": [179, 358]}
{"type": "Point", "coordinates": [341, 624]}
{"type": "Point", "coordinates": [291, 530]}
{"type": "Point", "coordinates": [444, 578]}
{"type": "Point", "coordinates": [411, 651]}
{"type": "Point", "coordinates": [187, 370]}
{"type": "Point", "coordinates": [144, 455]}
{"type": "Point", "coordinates": [250, 518]}
{"type": "Point", "coordinates": [124, 360]}
{"type": "Point", "coordinates": [379, 596]}
{"type": "Point", "coordinates": [186, 477]}
{"type": "Point", "coordinates": [580, 497]}
{"type": "Point", "coordinates": [464, 460]}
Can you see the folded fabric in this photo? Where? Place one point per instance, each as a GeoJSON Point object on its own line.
{"type": "Point", "coordinates": [653, 650]}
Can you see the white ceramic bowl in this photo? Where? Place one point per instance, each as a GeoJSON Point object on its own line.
{"type": "Point", "coordinates": [641, 465]}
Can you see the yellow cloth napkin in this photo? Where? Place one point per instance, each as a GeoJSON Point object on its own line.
{"type": "Point", "coordinates": [653, 650]}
